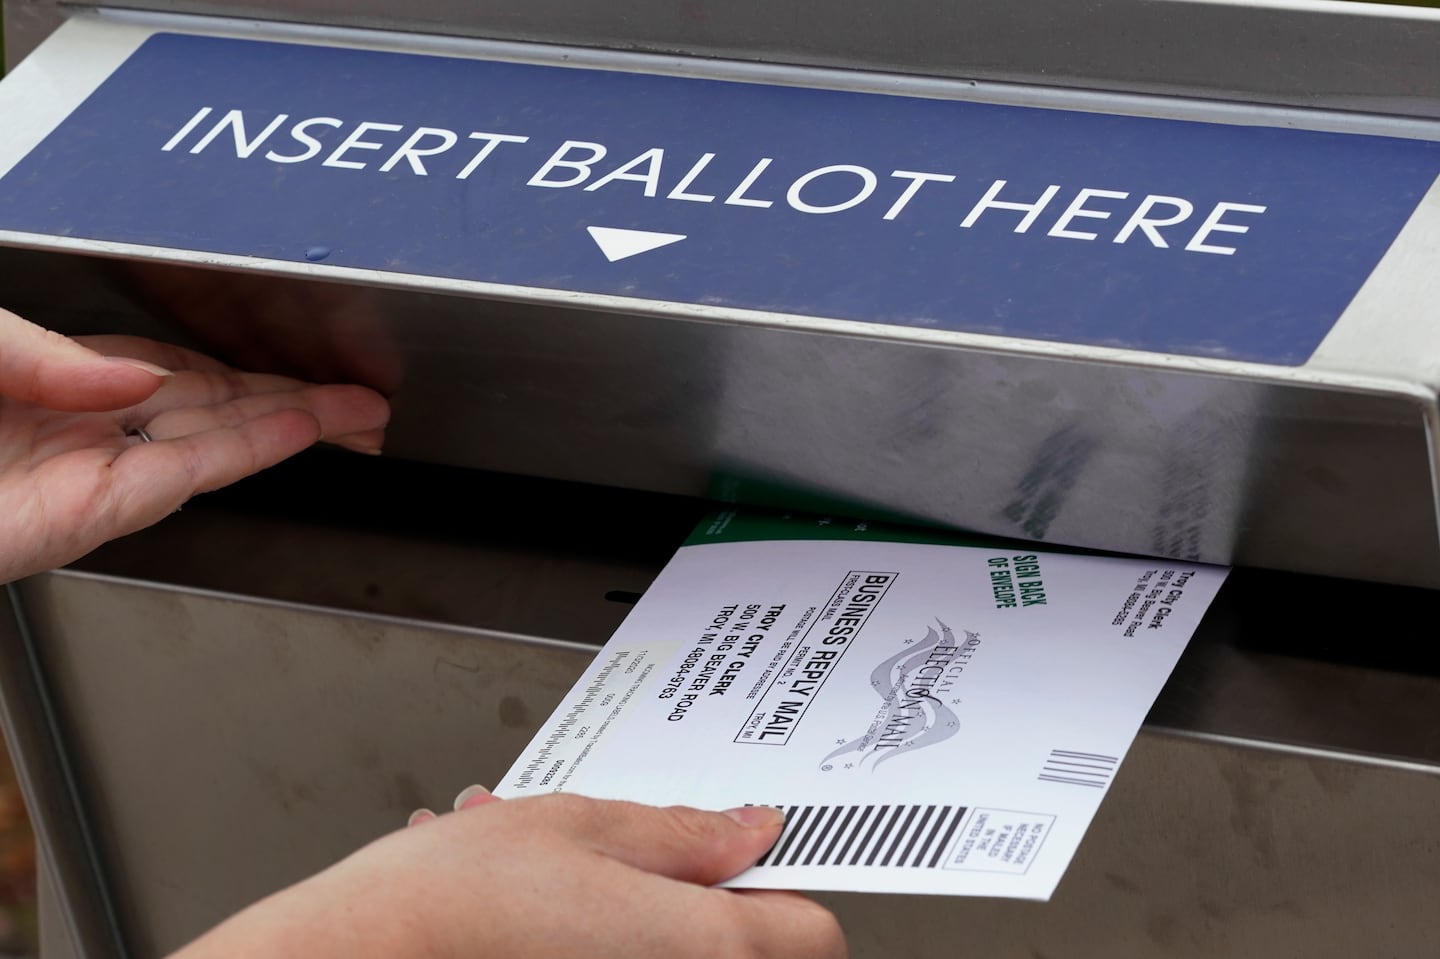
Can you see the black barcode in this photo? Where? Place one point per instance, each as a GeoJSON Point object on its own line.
{"type": "Point", "coordinates": [1078, 769]}
{"type": "Point", "coordinates": [909, 836]}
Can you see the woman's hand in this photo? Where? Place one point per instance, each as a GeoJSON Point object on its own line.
{"type": "Point", "coordinates": [544, 878]}
{"type": "Point", "coordinates": [74, 471]}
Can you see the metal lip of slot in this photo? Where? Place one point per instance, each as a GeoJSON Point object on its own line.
{"type": "Point", "coordinates": [320, 609]}
{"type": "Point", "coordinates": [1256, 741]}
{"type": "Point", "coordinates": [1424, 396]}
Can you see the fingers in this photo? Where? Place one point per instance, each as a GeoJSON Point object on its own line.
{"type": "Point", "coordinates": [365, 441]}
{"type": "Point", "coordinates": [167, 355]}
{"type": "Point", "coordinates": [340, 411]}
{"type": "Point", "coordinates": [50, 370]}
{"type": "Point", "coordinates": [472, 796]}
{"type": "Point", "coordinates": [419, 816]}
{"type": "Point", "coordinates": [212, 387]}
{"type": "Point", "coordinates": [677, 842]}
{"type": "Point", "coordinates": [468, 798]}
{"type": "Point", "coordinates": [72, 502]}
{"type": "Point", "coordinates": [151, 480]}
{"type": "Point", "coordinates": [197, 400]}
{"type": "Point", "coordinates": [682, 843]}
{"type": "Point", "coordinates": [533, 862]}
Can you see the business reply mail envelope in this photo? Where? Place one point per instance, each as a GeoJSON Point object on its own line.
{"type": "Point", "coordinates": [934, 715]}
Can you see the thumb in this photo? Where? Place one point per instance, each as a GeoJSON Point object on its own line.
{"type": "Point", "coordinates": [53, 371]}
{"type": "Point", "coordinates": [682, 843]}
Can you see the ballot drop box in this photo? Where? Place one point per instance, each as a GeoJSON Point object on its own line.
{"type": "Point", "coordinates": [1147, 276]}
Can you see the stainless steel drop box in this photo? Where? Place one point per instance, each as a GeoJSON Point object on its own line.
{"type": "Point", "coordinates": [1150, 277]}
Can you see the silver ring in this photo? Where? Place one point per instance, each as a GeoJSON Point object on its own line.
{"type": "Point", "coordinates": [138, 431]}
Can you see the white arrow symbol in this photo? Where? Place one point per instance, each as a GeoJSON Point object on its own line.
{"type": "Point", "coordinates": [618, 244]}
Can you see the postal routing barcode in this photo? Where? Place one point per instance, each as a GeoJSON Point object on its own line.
{"type": "Point", "coordinates": [902, 836]}
{"type": "Point", "coordinates": [1078, 769]}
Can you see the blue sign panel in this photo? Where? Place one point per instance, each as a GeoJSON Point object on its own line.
{"type": "Point", "coordinates": [1178, 237]}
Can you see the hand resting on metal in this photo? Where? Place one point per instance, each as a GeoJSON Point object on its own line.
{"type": "Point", "coordinates": [103, 436]}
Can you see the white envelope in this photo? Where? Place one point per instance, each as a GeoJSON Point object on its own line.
{"type": "Point", "coordinates": [933, 717]}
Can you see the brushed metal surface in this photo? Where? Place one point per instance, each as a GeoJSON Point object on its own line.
{"type": "Point", "coordinates": [227, 746]}
{"type": "Point", "coordinates": [1108, 456]}
{"type": "Point", "coordinates": [227, 739]}
{"type": "Point", "coordinates": [232, 709]}
{"type": "Point", "coordinates": [1375, 57]}
{"type": "Point", "coordinates": [77, 909]}
{"type": "Point", "coordinates": [1293, 662]}
{"type": "Point", "coordinates": [55, 939]}
{"type": "Point", "coordinates": [1207, 851]}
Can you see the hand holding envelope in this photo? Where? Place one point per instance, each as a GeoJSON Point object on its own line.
{"type": "Point", "coordinates": [935, 713]}
{"type": "Point", "coordinates": [547, 877]}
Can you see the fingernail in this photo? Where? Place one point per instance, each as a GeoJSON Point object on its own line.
{"type": "Point", "coordinates": [419, 816]}
{"type": "Point", "coordinates": [355, 447]}
{"type": "Point", "coordinates": [469, 796]}
{"type": "Point", "coordinates": [757, 817]}
{"type": "Point", "coordinates": [140, 365]}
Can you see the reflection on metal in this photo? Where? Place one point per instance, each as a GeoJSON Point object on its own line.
{"type": "Point", "coordinates": [1204, 850]}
